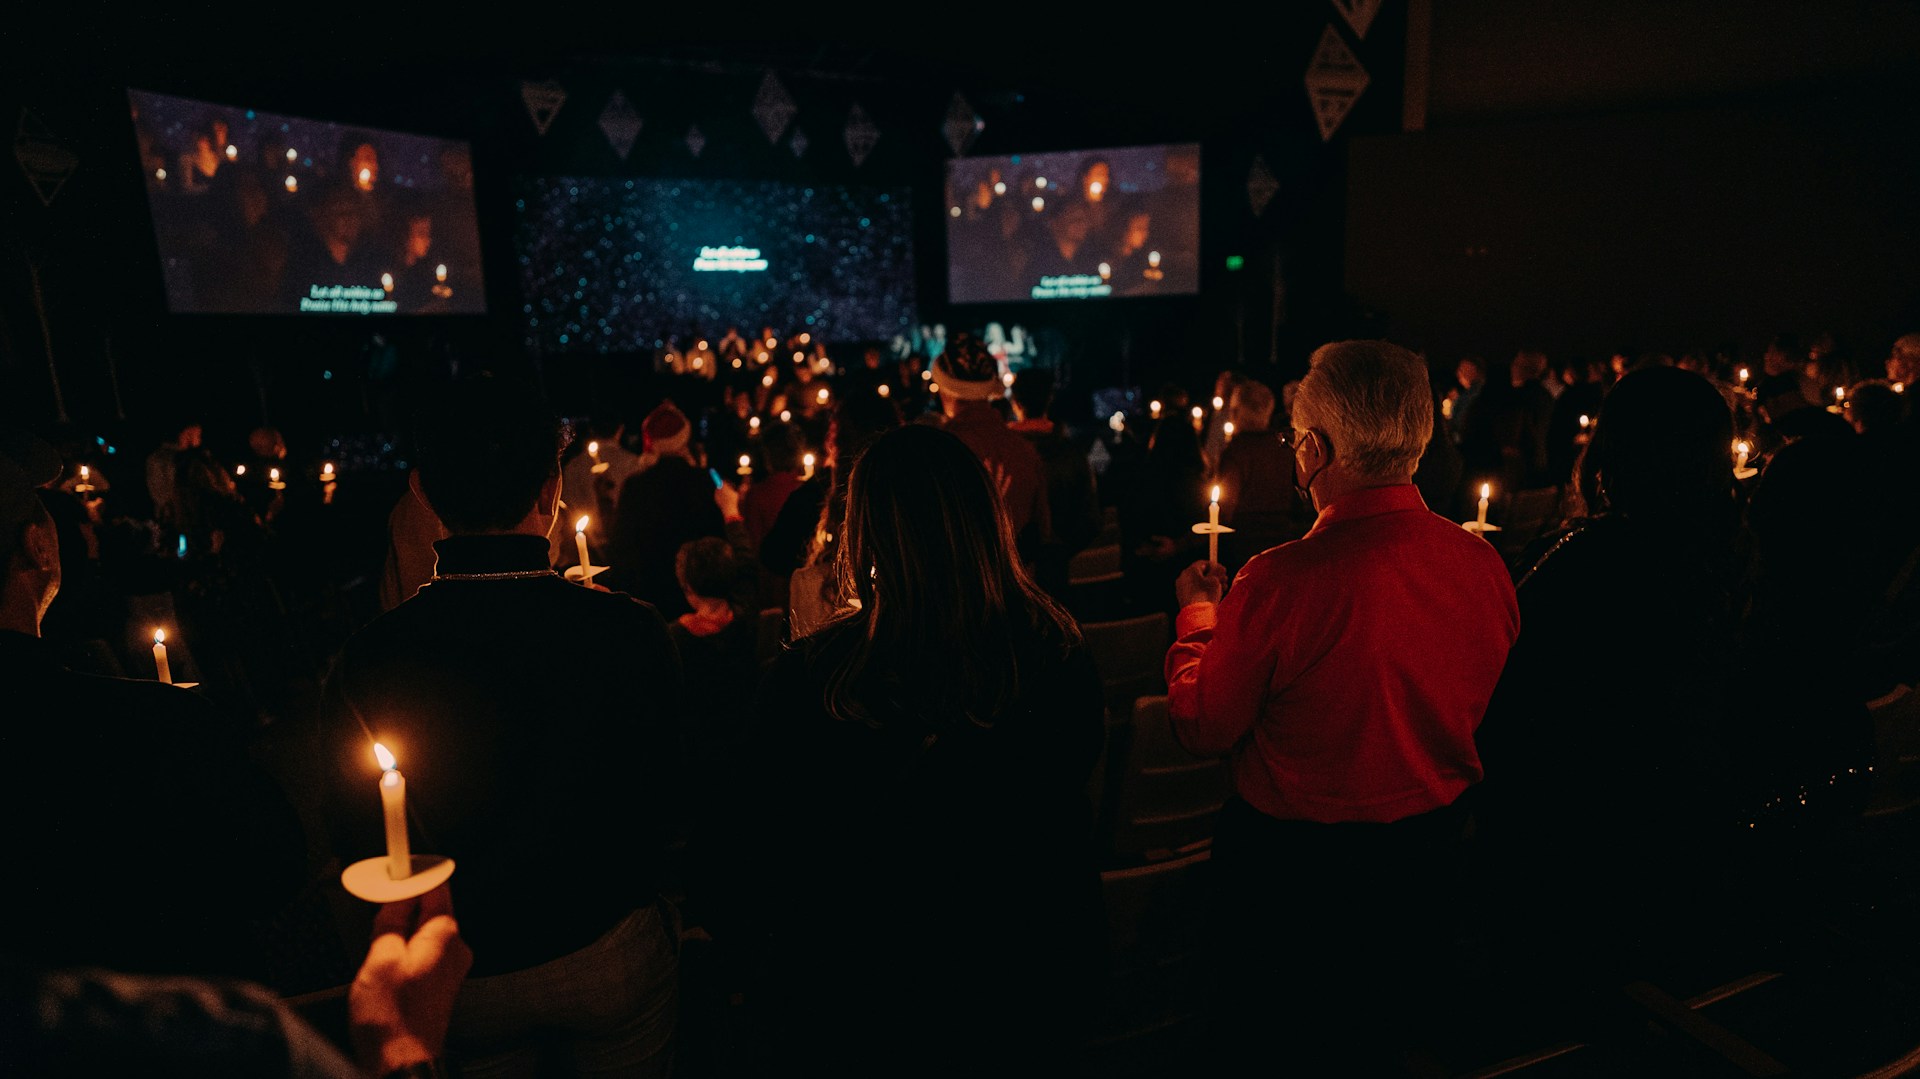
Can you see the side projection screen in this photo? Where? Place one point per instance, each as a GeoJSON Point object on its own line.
{"type": "Point", "coordinates": [261, 214]}
{"type": "Point", "coordinates": [1075, 225]}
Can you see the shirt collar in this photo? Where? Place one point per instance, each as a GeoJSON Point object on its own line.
{"type": "Point", "coordinates": [507, 553]}
{"type": "Point", "coordinates": [1369, 502]}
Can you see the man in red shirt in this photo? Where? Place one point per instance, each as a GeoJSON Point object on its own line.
{"type": "Point", "coordinates": [1343, 675]}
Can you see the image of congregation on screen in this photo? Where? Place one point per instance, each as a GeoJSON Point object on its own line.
{"type": "Point", "coordinates": [632, 265]}
{"type": "Point", "coordinates": [1074, 225]}
{"type": "Point", "coordinates": [256, 213]}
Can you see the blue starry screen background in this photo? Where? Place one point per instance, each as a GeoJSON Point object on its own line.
{"type": "Point", "coordinates": [606, 265]}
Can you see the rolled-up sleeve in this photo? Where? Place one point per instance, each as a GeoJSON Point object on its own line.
{"type": "Point", "coordinates": [1218, 673]}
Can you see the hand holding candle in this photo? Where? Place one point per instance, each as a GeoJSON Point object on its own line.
{"type": "Point", "coordinates": [393, 803]}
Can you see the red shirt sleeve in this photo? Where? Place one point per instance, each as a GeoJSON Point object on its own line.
{"type": "Point", "coordinates": [1219, 672]}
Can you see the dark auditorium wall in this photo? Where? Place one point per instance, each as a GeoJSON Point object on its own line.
{"type": "Point", "coordinates": [1661, 176]}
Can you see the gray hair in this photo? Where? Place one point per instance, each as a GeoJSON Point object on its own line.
{"type": "Point", "coordinates": [1374, 402]}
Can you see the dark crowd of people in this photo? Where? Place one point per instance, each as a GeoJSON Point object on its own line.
{"type": "Point", "coordinates": [759, 720]}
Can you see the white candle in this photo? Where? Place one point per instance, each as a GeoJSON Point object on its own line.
{"type": "Point", "coordinates": [746, 465]}
{"type": "Point", "coordinates": [1741, 448]}
{"type": "Point", "coordinates": [1486, 492]}
{"type": "Point", "coordinates": [326, 473]}
{"type": "Point", "coordinates": [580, 540]}
{"type": "Point", "coordinates": [1744, 374]}
{"type": "Point", "coordinates": [1153, 409]}
{"type": "Point", "coordinates": [593, 451]}
{"type": "Point", "coordinates": [165, 673]}
{"type": "Point", "coordinates": [806, 462]}
{"type": "Point", "coordinates": [393, 803]}
{"type": "Point", "coordinates": [1213, 523]}
{"type": "Point", "coordinates": [1227, 429]}
{"type": "Point", "coordinates": [1585, 421]}
{"type": "Point", "coordinates": [1199, 414]}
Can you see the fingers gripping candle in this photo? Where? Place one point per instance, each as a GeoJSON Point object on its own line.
{"type": "Point", "coordinates": [393, 803]}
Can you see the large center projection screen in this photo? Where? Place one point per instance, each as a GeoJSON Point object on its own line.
{"type": "Point", "coordinates": [256, 213]}
{"type": "Point", "coordinates": [1085, 224]}
{"type": "Point", "coordinates": [612, 265]}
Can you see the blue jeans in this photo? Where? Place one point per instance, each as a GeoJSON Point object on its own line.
{"type": "Point", "coordinates": [608, 1009]}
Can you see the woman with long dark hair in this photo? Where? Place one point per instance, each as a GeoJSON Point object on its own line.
{"type": "Point", "coordinates": [920, 874]}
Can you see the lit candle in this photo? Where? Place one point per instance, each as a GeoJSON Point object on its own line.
{"type": "Point", "coordinates": [1899, 387]}
{"type": "Point", "coordinates": [580, 541]}
{"type": "Point", "coordinates": [884, 390]}
{"type": "Point", "coordinates": [1486, 492]}
{"type": "Point", "coordinates": [273, 480]}
{"type": "Point", "coordinates": [593, 451]}
{"type": "Point", "coordinates": [1741, 449]}
{"type": "Point", "coordinates": [806, 462]}
{"type": "Point", "coordinates": [326, 473]}
{"type": "Point", "coordinates": [165, 673]}
{"type": "Point", "coordinates": [1585, 421]}
{"type": "Point", "coordinates": [821, 396]}
{"type": "Point", "coordinates": [440, 273]}
{"type": "Point", "coordinates": [1744, 375]}
{"type": "Point", "coordinates": [240, 470]}
{"type": "Point", "coordinates": [767, 380]}
{"type": "Point", "coordinates": [1227, 429]}
{"type": "Point", "coordinates": [746, 465]}
{"type": "Point", "coordinates": [386, 281]}
{"type": "Point", "coordinates": [393, 803]}
{"type": "Point", "coordinates": [753, 425]}
{"type": "Point", "coordinates": [1199, 415]}
{"type": "Point", "coordinates": [86, 480]}
{"type": "Point", "coordinates": [1218, 404]}
{"type": "Point", "coordinates": [1213, 526]}
{"type": "Point", "coordinates": [1153, 409]}
{"type": "Point", "coordinates": [786, 415]}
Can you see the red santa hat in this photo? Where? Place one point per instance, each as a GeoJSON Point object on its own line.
{"type": "Point", "coordinates": [665, 430]}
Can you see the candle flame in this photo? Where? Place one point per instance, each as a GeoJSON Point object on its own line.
{"type": "Point", "coordinates": [754, 423]}
{"type": "Point", "coordinates": [1585, 420]}
{"type": "Point", "coordinates": [593, 449]}
{"type": "Point", "coordinates": [581, 524]}
{"type": "Point", "coordinates": [159, 636]}
{"type": "Point", "coordinates": [1486, 490]}
{"type": "Point", "coordinates": [384, 756]}
{"type": "Point", "coordinates": [746, 461]}
{"type": "Point", "coordinates": [807, 460]}
{"type": "Point", "coordinates": [240, 471]}
{"type": "Point", "coordinates": [1218, 403]}
{"type": "Point", "coordinates": [1839, 393]}
{"type": "Point", "coordinates": [1216, 492]}
{"type": "Point", "coordinates": [83, 472]}
{"type": "Point", "coordinates": [1229, 428]}
{"type": "Point", "coordinates": [1198, 412]}
{"type": "Point", "coordinates": [273, 473]}
{"type": "Point", "coordinates": [822, 395]}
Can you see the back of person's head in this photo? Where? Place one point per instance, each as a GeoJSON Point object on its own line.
{"type": "Point", "coordinates": [1528, 364]}
{"type": "Point", "coordinates": [1903, 361]}
{"type": "Point", "coordinates": [486, 449]}
{"type": "Point", "coordinates": [707, 567]}
{"type": "Point", "coordinates": [1372, 401]}
{"type": "Point", "coordinates": [1033, 392]}
{"type": "Point", "coordinates": [928, 550]}
{"type": "Point", "coordinates": [1874, 407]}
{"type": "Point", "coordinates": [1660, 449]}
{"type": "Point", "coordinates": [780, 446]}
{"type": "Point", "coordinates": [266, 442]}
{"type": "Point", "coordinates": [27, 464]}
{"type": "Point", "coordinates": [1251, 406]}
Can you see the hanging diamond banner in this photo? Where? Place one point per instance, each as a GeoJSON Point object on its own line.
{"type": "Point", "coordinates": [860, 135]}
{"type": "Point", "coordinates": [696, 142]}
{"type": "Point", "coordinates": [1334, 82]}
{"type": "Point", "coordinates": [620, 124]}
{"type": "Point", "coordinates": [798, 144]}
{"type": "Point", "coordinates": [773, 108]}
{"type": "Point", "coordinates": [1261, 186]}
{"type": "Point", "coordinates": [46, 163]}
{"type": "Point", "coordinates": [962, 126]}
{"type": "Point", "coordinates": [543, 101]}
{"type": "Point", "coordinates": [1358, 13]}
